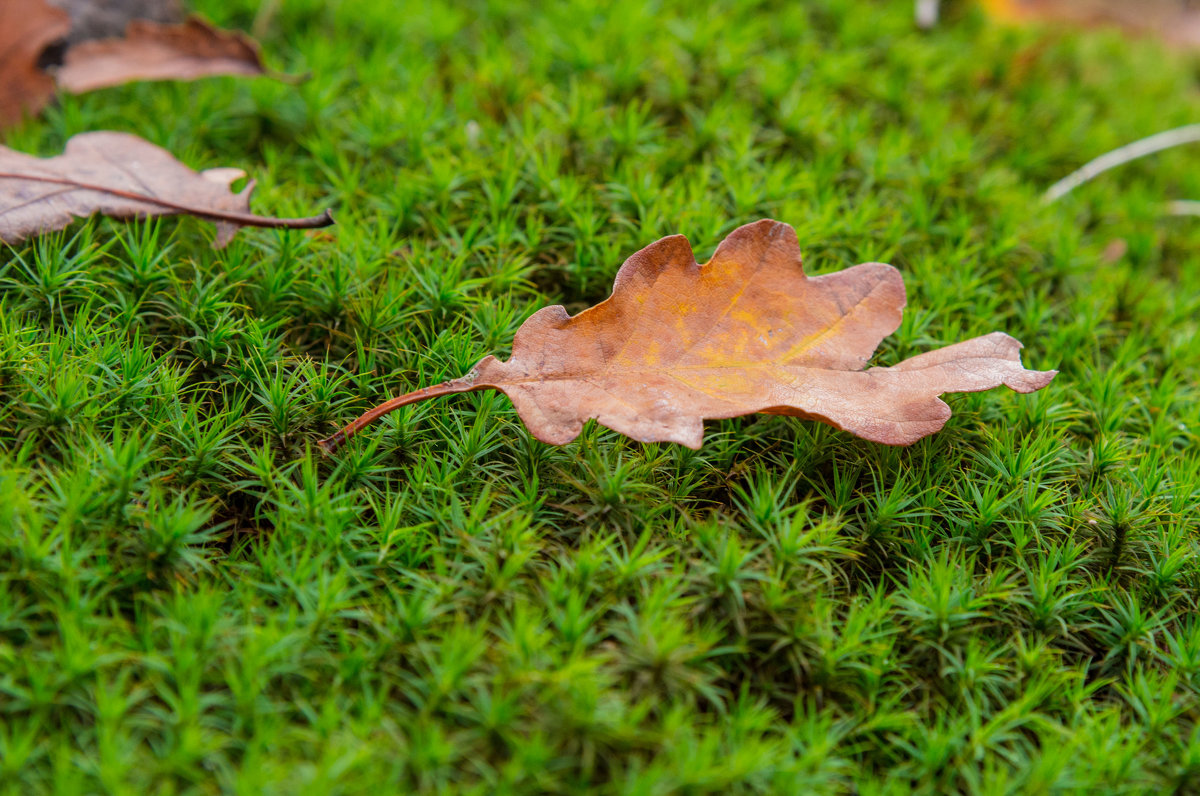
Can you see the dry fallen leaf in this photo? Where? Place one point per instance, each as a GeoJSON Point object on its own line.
{"type": "Point", "coordinates": [678, 343]}
{"type": "Point", "coordinates": [153, 51]}
{"type": "Point", "coordinates": [27, 27]}
{"type": "Point", "coordinates": [1173, 21]}
{"type": "Point", "coordinates": [105, 19]}
{"type": "Point", "coordinates": [122, 176]}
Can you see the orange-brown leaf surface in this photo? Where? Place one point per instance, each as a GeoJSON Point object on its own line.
{"type": "Point", "coordinates": [27, 27]}
{"type": "Point", "coordinates": [123, 176]}
{"type": "Point", "coordinates": [678, 343]}
{"type": "Point", "coordinates": [154, 51]}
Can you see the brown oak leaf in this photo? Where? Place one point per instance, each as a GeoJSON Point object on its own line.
{"type": "Point", "coordinates": [123, 176]}
{"type": "Point", "coordinates": [154, 51]}
{"type": "Point", "coordinates": [27, 27]}
{"type": "Point", "coordinates": [1176, 22]}
{"type": "Point", "coordinates": [678, 343]}
{"type": "Point", "coordinates": [105, 19]}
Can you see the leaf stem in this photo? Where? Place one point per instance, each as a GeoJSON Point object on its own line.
{"type": "Point", "coordinates": [1187, 134]}
{"type": "Point", "coordinates": [332, 443]}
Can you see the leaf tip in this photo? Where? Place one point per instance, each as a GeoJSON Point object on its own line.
{"type": "Point", "coordinates": [1032, 380]}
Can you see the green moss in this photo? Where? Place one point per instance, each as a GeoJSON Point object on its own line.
{"type": "Point", "coordinates": [192, 600]}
